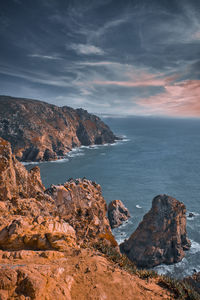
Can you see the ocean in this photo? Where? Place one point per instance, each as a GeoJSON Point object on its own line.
{"type": "Point", "coordinates": [156, 156]}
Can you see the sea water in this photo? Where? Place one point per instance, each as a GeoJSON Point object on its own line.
{"type": "Point", "coordinates": [156, 156]}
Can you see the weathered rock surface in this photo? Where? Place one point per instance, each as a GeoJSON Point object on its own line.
{"type": "Point", "coordinates": [41, 131]}
{"type": "Point", "coordinates": [42, 234]}
{"type": "Point", "coordinates": [117, 213]}
{"type": "Point", "coordinates": [80, 202]}
{"type": "Point", "coordinates": [161, 236]}
{"type": "Point", "coordinates": [73, 275]}
{"type": "Point", "coordinates": [15, 180]}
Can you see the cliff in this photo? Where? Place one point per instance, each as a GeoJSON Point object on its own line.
{"type": "Point", "coordinates": [57, 244]}
{"type": "Point", "coordinates": [40, 131]}
{"type": "Point", "coordinates": [161, 237]}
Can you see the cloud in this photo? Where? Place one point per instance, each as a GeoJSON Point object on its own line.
{"type": "Point", "coordinates": [87, 49]}
{"type": "Point", "coordinates": [178, 99]}
{"type": "Point", "coordinates": [44, 56]}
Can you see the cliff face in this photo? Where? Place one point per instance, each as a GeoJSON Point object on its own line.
{"type": "Point", "coordinates": [41, 131]}
{"type": "Point", "coordinates": [161, 236]}
{"type": "Point", "coordinates": [15, 180]}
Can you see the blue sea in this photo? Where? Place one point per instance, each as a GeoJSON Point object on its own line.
{"type": "Point", "coordinates": [156, 156]}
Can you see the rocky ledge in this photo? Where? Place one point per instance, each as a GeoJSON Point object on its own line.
{"type": "Point", "coordinates": [40, 131]}
{"type": "Point", "coordinates": [161, 236]}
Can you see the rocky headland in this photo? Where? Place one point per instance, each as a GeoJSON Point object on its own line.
{"type": "Point", "coordinates": [39, 131]}
{"type": "Point", "coordinates": [57, 243]}
{"type": "Point", "coordinates": [161, 237]}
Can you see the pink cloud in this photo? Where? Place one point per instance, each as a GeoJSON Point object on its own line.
{"type": "Point", "coordinates": [138, 78]}
{"type": "Point", "coordinates": [179, 99]}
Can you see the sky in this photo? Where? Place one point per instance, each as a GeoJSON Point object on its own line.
{"type": "Point", "coordinates": [119, 57]}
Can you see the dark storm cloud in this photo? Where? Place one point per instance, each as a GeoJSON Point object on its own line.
{"type": "Point", "coordinates": [106, 56]}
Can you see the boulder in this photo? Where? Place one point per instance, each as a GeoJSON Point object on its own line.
{"type": "Point", "coordinates": [191, 215]}
{"type": "Point", "coordinates": [161, 236]}
{"type": "Point", "coordinates": [51, 234]}
{"type": "Point", "coordinates": [117, 213]}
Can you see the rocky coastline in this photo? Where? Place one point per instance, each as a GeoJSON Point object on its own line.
{"type": "Point", "coordinates": [39, 131]}
{"type": "Point", "coordinates": [57, 243]}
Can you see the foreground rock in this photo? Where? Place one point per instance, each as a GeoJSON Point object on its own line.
{"type": "Point", "coordinates": [161, 236]}
{"type": "Point", "coordinates": [117, 213]}
{"type": "Point", "coordinates": [71, 275]}
{"type": "Point", "coordinates": [41, 131]}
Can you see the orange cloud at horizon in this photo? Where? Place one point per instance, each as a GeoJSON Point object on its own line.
{"type": "Point", "coordinates": [178, 99]}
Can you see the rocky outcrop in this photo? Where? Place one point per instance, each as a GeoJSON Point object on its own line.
{"type": "Point", "coordinates": [117, 213]}
{"type": "Point", "coordinates": [15, 180]}
{"type": "Point", "coordinates": [32, 218]}
{"type": "Point", "coordinates": [161, 236]}
{"type": "Point", "coordinates": [80, 202]}
{"type": "Point", "coordinates": [40, 131]}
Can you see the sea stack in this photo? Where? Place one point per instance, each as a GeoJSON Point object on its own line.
{"type": "Point", "coordinates": [161, 236]}
{"type": "Point", "coordinates": [117, 213]}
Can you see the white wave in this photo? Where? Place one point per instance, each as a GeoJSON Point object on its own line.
{"type": "Point", "coordinates": [119, 240]}
{"type": "Point", "coordinates": [84, 147]}
{"type": "Point", "coordinates": [25, 163]}
{"type": "Point", "coordinates": [195, 247]}
{"type": "Point", "coordinates": [94, 146]}
{"type": "Point", "coordinates": [138, 206]}
{"type": "Point", "coordinates": [194, 213]}
{"type": "Point", "coordinates": [75, 154]}
{"type": "Point", "coordinates": [166, 269]}
{"type": "Point", "coordinates": [61, 160]}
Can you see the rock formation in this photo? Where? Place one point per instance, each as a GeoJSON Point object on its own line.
{"type": "Point", "coordinates": [41, 131]}
{"type": "Point", "coordinates": [161, 236]}
{"type": "Point", "coordinates": [117, 213]}
{"type": "Point", "coordinates": [33, 218]}
{"type": "Point", "coordinates": [15, 180]}
{"type": "Point", "coordinates": [81, 203]}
